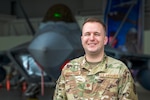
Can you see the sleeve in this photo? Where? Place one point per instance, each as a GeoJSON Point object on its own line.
{"type": "Point", "coordinates": [59, 93]}
{"type": "Point", "coordinates": [127, 89]}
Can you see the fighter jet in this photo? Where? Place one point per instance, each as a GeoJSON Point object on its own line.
{"type": "Point", "coordinates": [56, 42]}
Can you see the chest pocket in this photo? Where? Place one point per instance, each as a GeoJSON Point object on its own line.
{"type": "Point", "coordinates": [72, 70]}
{"type": "Point", "coordinates": [108, 85]}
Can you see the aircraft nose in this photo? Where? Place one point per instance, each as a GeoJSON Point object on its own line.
{"type": "Point", "coordinates": [49, 47]}
{"type": "Point", "coordinates": [50, 50]}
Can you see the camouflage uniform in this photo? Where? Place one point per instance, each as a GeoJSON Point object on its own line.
{"type": "Point", "coordinates": [110, 79]}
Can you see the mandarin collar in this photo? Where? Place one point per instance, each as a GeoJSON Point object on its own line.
{"type": "Point", "coordinates": [101, 67]}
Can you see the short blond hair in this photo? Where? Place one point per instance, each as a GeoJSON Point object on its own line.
{"type": "Point", "coordinates": [94, 19]}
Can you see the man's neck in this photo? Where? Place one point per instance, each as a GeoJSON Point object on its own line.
{"type": "Point", "coordinates": [94, 57]}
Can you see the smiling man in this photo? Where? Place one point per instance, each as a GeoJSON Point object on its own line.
{"type": "Point", "coordinates": [95, 76]}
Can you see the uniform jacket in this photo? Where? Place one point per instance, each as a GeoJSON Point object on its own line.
{"type": "Point", "coordinates": [110, 79]}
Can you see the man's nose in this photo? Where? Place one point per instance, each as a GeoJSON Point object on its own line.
{"type": "Point", "coordinates": [92, 37]}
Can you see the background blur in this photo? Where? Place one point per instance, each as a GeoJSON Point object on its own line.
{"type": "Point", "coordinates": [14, 29]}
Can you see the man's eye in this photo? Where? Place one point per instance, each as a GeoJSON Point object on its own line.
{"type": "Point", "coordinates": [97, 34]}
{"type": "Point", "coordinates": [87, 34]}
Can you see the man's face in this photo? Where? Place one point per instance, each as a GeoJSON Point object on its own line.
{"type": "Point", "coordinates": [93, 37]}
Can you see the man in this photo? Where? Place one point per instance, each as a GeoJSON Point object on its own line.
{"type": "Point", "coordinates": [95, 76]}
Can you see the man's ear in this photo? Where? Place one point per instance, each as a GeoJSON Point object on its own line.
{"type": "Point", "coordinates": [81, 37]}
{"type": "Point", "coordinates": [105, 40]}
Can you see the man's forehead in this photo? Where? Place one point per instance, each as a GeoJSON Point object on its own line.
{"type": "Point", "coordinates": [92, 26]}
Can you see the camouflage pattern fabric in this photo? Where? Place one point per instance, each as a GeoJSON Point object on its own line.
{"type": "Point", "coordinates": [110, 79]}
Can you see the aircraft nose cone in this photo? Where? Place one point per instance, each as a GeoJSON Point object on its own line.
{"type": "Point", "coordinates": [53, 46]}
{"type": "Point", "coordinates": [50, 49]}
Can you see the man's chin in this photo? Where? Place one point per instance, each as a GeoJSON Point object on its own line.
{"type": "Point", "coordinates": [92, 52]}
